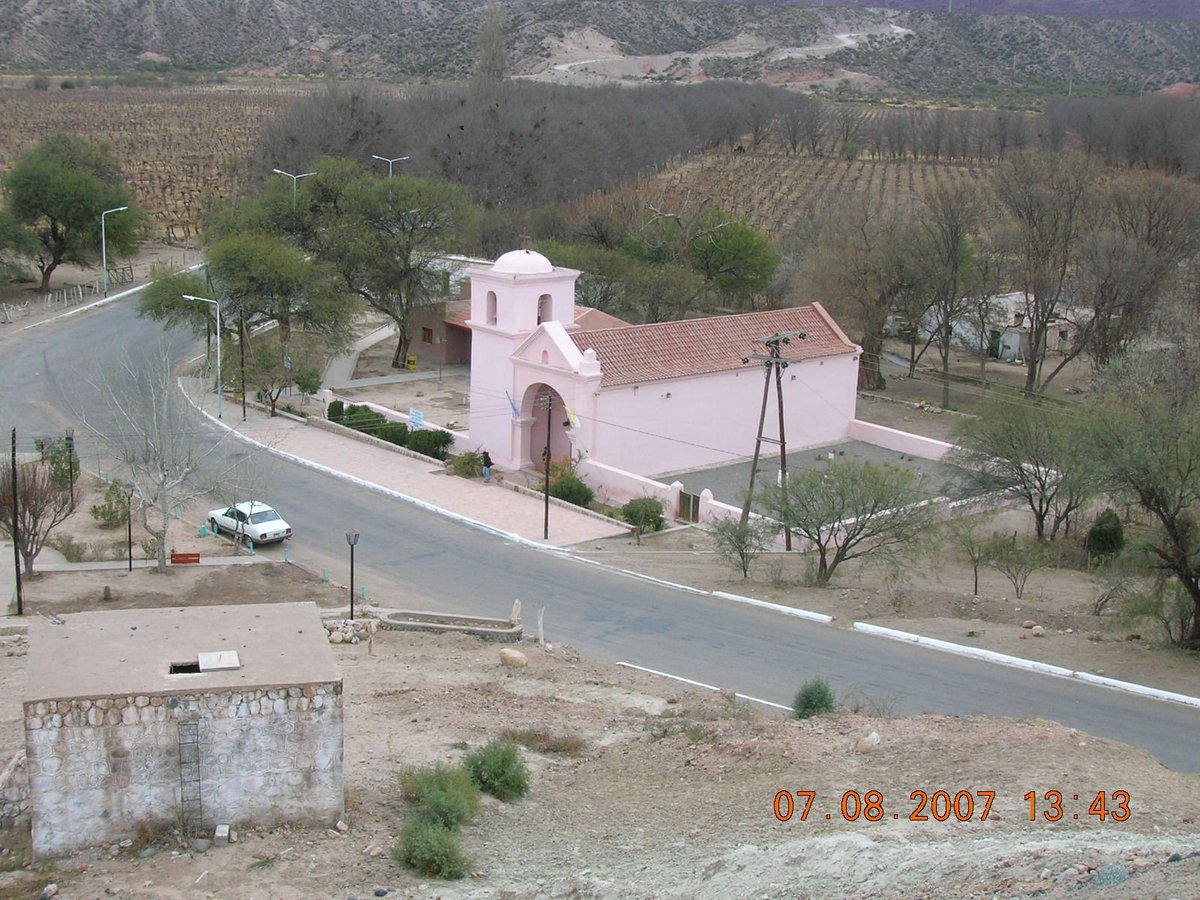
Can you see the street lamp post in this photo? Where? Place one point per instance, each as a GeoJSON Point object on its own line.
{"type": "Point", "coordinates": [104, 244]}
{"type": "Point", "coordinates": [217, 304]}
{"type": "Point", "coordinates": [352, 539]}
{"type": "Point", "coordinates": [70, 442]}
{"type": "Point", "coordinates": [385, 159]}
{"type": "Point", "coordinates": [129, 524]}
{"type": "Point", "coordinates": [294, 178]}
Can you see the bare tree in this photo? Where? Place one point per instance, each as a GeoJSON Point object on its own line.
{"type": "Point", "coordinates": [1045, 196]}
{"type": "Point", "coordinates": [947, 226]}
{"type": "Point", "coordinates": [41, 505]}
{"type": "Point", "coordinates": [152, 439]}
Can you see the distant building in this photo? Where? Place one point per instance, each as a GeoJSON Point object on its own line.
{"type": "Point", "coordinates": [202, 716]}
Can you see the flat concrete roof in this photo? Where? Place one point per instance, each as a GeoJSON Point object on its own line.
{"type": "Point", "coordinates": [130, 651]}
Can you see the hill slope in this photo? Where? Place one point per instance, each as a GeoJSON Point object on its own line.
{"type": "Point", "coordinates": [908, 53]}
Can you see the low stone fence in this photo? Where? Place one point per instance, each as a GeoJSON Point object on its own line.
{"type": "Point", "coordinates": [345, 631]}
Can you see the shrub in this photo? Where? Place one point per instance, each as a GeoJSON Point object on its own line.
{"type": "Point", "coordinates": [1106, 537]}
{"type": "Point", "coordinates": [71, 549]}
{"type": "Point", "coordinates": [394, 433]}
{"type": "Point", "coordinates": [335, 411]}
{"type": "Point", "coordinates": [646, 513]}
{"type": "Point", "coordinates": [544, 741]}
{"type": "Point", "coordinates": [430, 849]}
{"type": "Point", "coordinates": [64, 463]}
{"type": "Point", "coordinates": [468, 464]}
{"type": "Point", "coordinates": [431, 442]}
{"type": "Point", "coordinates": [573, 489]}
{"type": "Point", "coordinates": [498, 769]}
{"type": "Point", "coordinates": [364, 419]}
{"type": "Point", "coordinates": [114, 510]}
{"type": "Point", "coordinates": [445, 795]}
{"type": "Point", "coordinates": [815, 698]}
{"type": "Point", "coordinates": [738, 544]}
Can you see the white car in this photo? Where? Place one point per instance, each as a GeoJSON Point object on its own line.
{"type": "Point", "coordinates": [251, 521]}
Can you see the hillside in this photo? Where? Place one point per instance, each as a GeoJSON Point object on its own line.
{"type": "Point", "coordinates": [1091, 9]}
{"type": "Point", "coordinates": [910, 53]}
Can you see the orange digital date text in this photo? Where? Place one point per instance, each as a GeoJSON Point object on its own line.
{"type": "Point", "coordinates": [923, 806]}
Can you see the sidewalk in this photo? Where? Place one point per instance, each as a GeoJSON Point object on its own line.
{"type": "Point", "coordinates": [425, 484]}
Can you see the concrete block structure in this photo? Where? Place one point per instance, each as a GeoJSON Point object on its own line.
{"type": "Point", "coordinates": [184, 716]}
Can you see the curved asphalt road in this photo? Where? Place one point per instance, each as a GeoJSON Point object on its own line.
{"type": "Point", "coordinates": [434, 563]}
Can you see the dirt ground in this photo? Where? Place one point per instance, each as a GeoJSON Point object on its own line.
{"type": "Point", "coordinates": [671, 794]}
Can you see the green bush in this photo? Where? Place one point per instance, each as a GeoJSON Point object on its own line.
{"type": "Point", "coordinates": [115, 508]}
{"type": "Point", "coordinates": [364, 419]}
{"type": "Point", "coordinates": [573, 489]}
{"type": "Point", "coordinates": [498, 770]}
{"type": "Point", "coordinates": [815, 698]}
{"type": "Point", "coordinates": [646, 513]}
{"type": "Point", "coordinates": [430, 849]}
{"type": "Point", "coordinates": [335, 411]}
{"type": "Point", "coordinates": [431, 442]}
{"type": "Point", "coordinates": [1106, 537]}
{"type": "Point", "coordinates": [71, 549]}
{"type": "Point", "coordinates": [445, 795]}
{"type": "Point", "coordinates": [64, 463]}
{"type": "Point", "coordinates": [394, 433]}
{"type": "Point", "coordinates": [468, 464]}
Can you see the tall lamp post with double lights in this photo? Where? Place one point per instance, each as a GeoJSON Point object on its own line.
{"type": "Point", "coordinates": [216, 304]}
{"type": "Point", "coordinates": [352, 539]}
{"type": "Point", "coordinates": [104, 244]}
{"type": "Point", "coordinates": [394, 159]}
{"type": "Point", "coordinates": [295, 178]}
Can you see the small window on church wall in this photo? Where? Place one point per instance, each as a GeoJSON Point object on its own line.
{"type": "Point", "coordinates": [543, 308]}
{"type": "Point", "coordinates": [491, 307]}
{"type": "Point", "coordinates": [545, 357]}
{"type": "Point", "coordinates": [427, 335]}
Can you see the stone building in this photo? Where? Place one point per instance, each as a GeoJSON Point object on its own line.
{"type": "Point", "coordinates": [191, 716]}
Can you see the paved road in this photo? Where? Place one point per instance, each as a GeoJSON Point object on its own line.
{"type": "Point", "coordinates": [439, 564]}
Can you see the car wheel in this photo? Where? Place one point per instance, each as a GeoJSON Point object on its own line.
{"type": "Point", "coordinates": [214, 527]}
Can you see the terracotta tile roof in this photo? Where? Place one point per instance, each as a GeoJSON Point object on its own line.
{"type": "Point", "coordinates": [593, 319]}
{"type": "Point", "coordinates": [641, 353]}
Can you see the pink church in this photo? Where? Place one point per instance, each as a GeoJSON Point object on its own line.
{"type": "Point", "coordinates": [644, 399]}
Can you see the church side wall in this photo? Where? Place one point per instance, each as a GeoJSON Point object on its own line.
{"type": "Point", "coordinates": [671, 425]}
{"type": "Point", "coordinates": [98, 767]}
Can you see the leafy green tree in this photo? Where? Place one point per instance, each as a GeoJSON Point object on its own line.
{"type": "Point", "coordinates": [1148, 450]}
{"type": "Point", "coordinates": [384, 237]}
{"type": "Point", "coordinates": [57, 192]}
{"type": "Point", "coordinates": [1031, 450]}
{"type": "Point", "coordinates": [734, 258]}
{"type": "Point", "coordinates": [272, 367]}
{"type": "Point", "coordinates": [738, 544]}
{"type": "Point", "coordinates": [850, 508]}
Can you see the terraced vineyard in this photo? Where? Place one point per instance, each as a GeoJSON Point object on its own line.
{"type": "Point", "coordinates": [776, 192]}
{"type": "Point", "coordinates": [176, 148]}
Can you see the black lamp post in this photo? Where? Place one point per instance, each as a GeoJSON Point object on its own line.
{"type": "Point", "coordinates": [352, 539]}
{"type": "Point", "coordinates": [129, 524]}
{"type": "Point", "coordinates": [70, 442]}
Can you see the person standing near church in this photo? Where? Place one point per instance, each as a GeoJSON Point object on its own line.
{"type": "Point", "coordinates": [487, 468]}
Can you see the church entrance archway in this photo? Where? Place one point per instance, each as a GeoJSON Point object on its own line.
{"type": "Point", "coordinates": [546, 410]}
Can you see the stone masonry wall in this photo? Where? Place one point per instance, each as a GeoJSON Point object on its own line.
{"type": "Point", "coordinates": [14, 793]}
{"type": "Point", "coordinates": [98, 767]}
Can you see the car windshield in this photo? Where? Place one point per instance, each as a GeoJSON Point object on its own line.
{"type": "Point", "coordinates": [266, 515]}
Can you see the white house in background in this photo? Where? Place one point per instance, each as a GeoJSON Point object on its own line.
{"type": "Point", "coordinates": [642, 398]}
{"type": "Point", "coordinates": [1006, 336]}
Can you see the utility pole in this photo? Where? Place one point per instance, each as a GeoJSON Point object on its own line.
{"type": "Point", "coordinates": [773, 362]}
{"type": "Point", "coordinates": [546, 460]}
{"type": "Point", "coordinates": [16, 536]}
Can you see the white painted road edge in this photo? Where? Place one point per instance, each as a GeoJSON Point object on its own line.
{"type": "Point", "coordinates": [776, 607]}
{"type": "Point", "coordinates": [102, 301]}
{"type": "Point", "coordinates": [1031, 665]}
{"type": "Point", "coordinates": [701, 684]}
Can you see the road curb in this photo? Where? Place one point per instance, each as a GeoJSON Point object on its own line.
{"type": "Point", "coordinates": [776, 607]}
{"type": "Point", "coordinates": [1030, 665]}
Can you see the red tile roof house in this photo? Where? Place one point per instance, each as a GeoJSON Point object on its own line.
{"type": "Point", "coordinates": [641, 399]}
